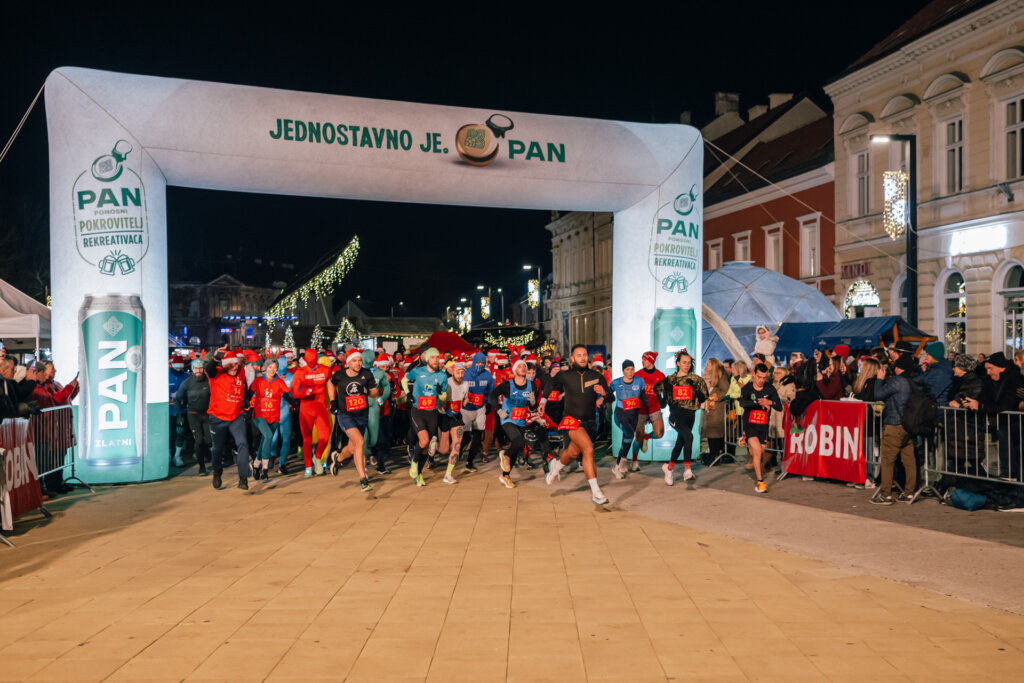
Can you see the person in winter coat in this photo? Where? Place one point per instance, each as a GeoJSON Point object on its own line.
{"type": "Point", "coordinates": [963, 429]}
{"type": "Point", "coordinates": [937, 372]}
{"type": "Point", "coordinates": [1002, 392]}
{"type": "Point", "coordinates": [193, 401]}
{"type": "Point", "coordinates": [785, 386]}
{"type": "Point", "coordinates": [896, 442]}
{"type": "Point", "coordinates": [713, 424]}
{"type": "Point", "coordinates": [765, 344]}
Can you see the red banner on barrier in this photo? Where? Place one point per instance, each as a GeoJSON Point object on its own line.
{"type": "Point", "coordinates": [21, 492]}
{"type": "Point", "coordinates": [831, 445]}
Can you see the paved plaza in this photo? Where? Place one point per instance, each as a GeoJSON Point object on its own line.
{"type": "Point", "coordinates": [312, 579]}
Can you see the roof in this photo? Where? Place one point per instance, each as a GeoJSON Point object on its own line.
{"type": "Point", "coordinates": [802, 150]}
{"type": "Point", "coordinates": [859, 332]}
{"type": "Point", "coordinates": [733, 141]}
{"type": "Point", "coordinates": [932, 16]}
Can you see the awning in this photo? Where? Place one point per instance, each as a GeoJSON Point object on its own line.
{"type": "Point", "coordinates": [800, 337]}
{"type": "Point", "coordinates": [868, 332]}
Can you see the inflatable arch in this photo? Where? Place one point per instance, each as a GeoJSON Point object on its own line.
{"type": "Point", "coordinates": [117, 140]}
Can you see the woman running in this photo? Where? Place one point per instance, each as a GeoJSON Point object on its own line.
{"type": "Point", "coordinates": [684, 391]}
{"type": "Point", "coordinates": [267, 390]}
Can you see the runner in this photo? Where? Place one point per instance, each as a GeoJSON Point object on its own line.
{"type": "Point", "coordinates": [427, 385]}
{"type": "Point", "coordinates": [309, 385]}
{"type": "Point", "coordinates": [349, 391]}
{"type": "Point", "coordinates": [193, 399]}
{"type": "Point", "coordinates": [513, 400]}
{"type": "Point", "coordinates": [583, 391]}
{"type": "Point", "coordinates": [267, 390]}
{"type": "Point", "coordinates": [176, 377]}
{"type": "Point", "coordinates": [684, 392]}
{"type": "Point", "coordinates": [451, 422]}
{"type": "Point", "coordinates": [386, 399]}
{"type": "Point", "coordinates": [282, 442]}
{"type": "Point", "coordinates": [479, 385]}
{"type": "Point", "coordinates": [373, 423]}
{"type": "Point", "coordinates": [758, 398]}
{"type": "Point", "coordinates": [227, 400]}
{"type": "Point", "coordinates": [630, 398]}
{"type": "Point", "coordinates": [651, 412]}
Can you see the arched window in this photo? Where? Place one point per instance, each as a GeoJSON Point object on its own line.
{"type": "Point", "coordinates": [899, 297]}
{"type": "Point", "coordinates": [862, 295]}
{"type": "Point", "coordinates": [954, 296]}
{"type": "Point", "coordinates": [1013, 309]}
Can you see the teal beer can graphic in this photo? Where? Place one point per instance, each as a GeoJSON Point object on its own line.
{"type": "Point", "coordinates": [673, 329]}
{"type": "Point", "coordinates": [113, 401]}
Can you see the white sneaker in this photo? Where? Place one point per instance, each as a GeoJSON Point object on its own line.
{"type": "Point", "coordinates": [318, 466]}
{"type": "Point", "coordinates": [432, 447]}
{"type": "Point", "coordinates": [599, 499]}
{"type": "Point", "coordinates": [617, 471]}
{"type": "Point", "coordinates": [668, 475]}
{"type": "Point", "coordinates": [178, 462]}
{"type": "Point", "coordinates": [448, 478]}
{"type": "Point", "coordinates": [553, 473]}
{"type": "Point", "coordinates": [634, 466]}
{"type": "Point", "coordinates": [688, 475]}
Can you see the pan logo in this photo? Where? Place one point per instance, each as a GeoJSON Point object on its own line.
{"type": "Point", "coordinates": [109, 210]}
{"type": "Point", "coordinates": [685, 202]}
{"type": "Point", "coordinates": [676, 246]}
{"type": "Point", "coordinates": [477, 143]}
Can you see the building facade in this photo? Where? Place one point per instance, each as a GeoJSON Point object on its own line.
{"type": "Point", "coordinates": [222, 311]}
{"type": "Point", "coordinates": [953, 76]}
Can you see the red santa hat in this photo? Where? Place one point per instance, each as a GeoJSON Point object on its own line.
{"type": "Point", "coordinates": [519, 361]}
{"type": "Point", "coordinates": [598, 360]}
{"type": "Point", "coordinates": [353, 353]}
{"type": "Point", "coordinates": [251, 356]}
{"type": "Point", "coordinates": [229, 358]}
{"type": "Point", "coordinates": [177, 361]}
{"type": "Point", "coordinates": [531, 358]}
{"type": "Point", "coordinates": [383, 360]}
{"type": "Point", "coordinates": [502, 359]}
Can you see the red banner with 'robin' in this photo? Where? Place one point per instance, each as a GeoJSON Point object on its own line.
{"type": "Point", "coordinates": [831, 443]}
{"type": "Point", "coordinates": [21, 492]}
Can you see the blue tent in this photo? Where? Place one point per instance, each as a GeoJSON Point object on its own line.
{"type": "Point", "coordinates": [866, 332]}
{"type": "Point", "coordinates": [802, 337]}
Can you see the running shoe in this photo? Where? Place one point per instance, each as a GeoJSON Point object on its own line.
{"type": "Point", "coordinates": [414, 471]}
{"type": "Point", "coordinates": [318, 466]}
{"type": "Point", "coordinates": [373, 460]}
{"type": "Point", "coordinates": [243, 484]}
{"type": "Point", "coordinates": [503, 459]}
{"type": "Point", "coordinates": [905, 498]}
{"type": "Point", "coordinates": [617, 471]}
{"type": "Point", "coordinates": [669, 480]}
{"type": "Point", "coordinates": [504, 479]}
{"type": "Point", "coordinates": [643, 443]}
{"type": "Point", "coordinates": [383, 470]}
{"type": "Point", "coordinates": [309, 472]}
{"type": "Point", "coordinates": [364, 484]}
{"type": "Point", "coordinates": [688, 475]}
{"type": "Point", "coordinates": [485, 458]}
{"type": "Point", "coordinates": [419, 480]}
{"type": "Point", "coordinates": [552, 474]}
{"type": "Point", "coordinates": [761, 487]}
{"type": "Point", "coordinates": [432, 447]}
{"type": "Point", "coordinates": [634, 466]}
{"type": "Point", "coordinates": [283, 469]}
{"type": "Point", "coordinates": [881, 499]}
{"type": "Point", "coordinates": [600, 500]}
{"type": "Point", "coordinates": [334, 466]}
{"type": "Point", "coordinates": [449, 479]}
{"type": "Point", "coordinates": [470, 468]}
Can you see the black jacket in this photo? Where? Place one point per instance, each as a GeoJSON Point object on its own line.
{"type": "Point", "coordinates": [1002, 396]}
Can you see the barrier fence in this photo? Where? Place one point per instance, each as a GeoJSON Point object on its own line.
{"type": "Point", "coordinates": [56, 446]}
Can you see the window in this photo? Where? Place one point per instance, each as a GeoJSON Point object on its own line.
{"type": "Point", "coordinates": [955, 310]}
{"type": "Point", "coordinates": [810, 246]}
{"type": "Point", "coordinates": [1013, 310]}
{"type": "Point", "coordinates": [741, 246]}
{"type": "Point", "coordinates": [863, 184]}
{"type": "Point", "coordinates": [773, 247]}
{"type": "Point", "coordinates": [954, 156]}
{"type": "Point", "coordinates": [714, 254]}
{"type": "Point", "coordinates": [1015, 138]}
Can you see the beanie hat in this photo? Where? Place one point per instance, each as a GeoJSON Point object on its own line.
{"type": "Point", "coordinates": [904, 346]}
{"type": "Point", "coordinates": [651, 357]}
{"type": "Point", "coordinates": [966, 363]}
{"type": "Point", "coordinates": [998, 359]}
{"type": "Point", "coordinates": [841, 350]}
{"type": "Point", "coordinates": [905, 362]}
{"type": "Point", "coordinates": [197, 364]}
{"type": "Point", "coordinates": [430, 353]}
{"type": "Point", "coordinates": [627, 364]}
{"type": "Point", "coordinates": [935, 349]}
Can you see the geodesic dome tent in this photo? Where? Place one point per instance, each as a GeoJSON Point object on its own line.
{"type": "Point", "coordinates": [746, 296]}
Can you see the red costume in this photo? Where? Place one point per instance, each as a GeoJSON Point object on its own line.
{"type": "Point", "coordinates": [309, 385]}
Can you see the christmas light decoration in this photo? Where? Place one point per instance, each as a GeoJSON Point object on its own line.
{"type": "Point", "coordinates": [485, 307]}
{"type": "Point", "coordinates": [289, 338]}
{"type": "Point", "coordinates": [861, 293]}
{"type": "Point", "coordinates": [319, 285]}
{"type": "Point", "coordinates": [895, 210]}
{"type": "Point", "coordinates": [316, 340]}
{"type": "Point", "coordinates": [533, 290]}
{"type": "Point", "coordinates": [347, 333]}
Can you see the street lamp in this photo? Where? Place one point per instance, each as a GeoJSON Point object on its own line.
{"type": "Point", "coordinates": [911, 220]}
{"type": "Point", "coordinates": [540, 299]}
{"type": "Point", "coordinates": [502, 306]}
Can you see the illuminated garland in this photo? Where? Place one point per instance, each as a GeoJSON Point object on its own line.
{"type": "Point", "coordinates": [289, 338]}
{"type": "Point", "coordinates": [320, 285]}
{"type": "Point", "coordinates": [518, 340]}
{"type": "Point", "coordinates": [316, 340]}
{"type": "Point", "coordinates": [346, 332]}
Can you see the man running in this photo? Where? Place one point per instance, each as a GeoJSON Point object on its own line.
{"type": "Point", "coordinates": [651, 412]}
{"type": "Point", "coordinates": [267, 390]}
{"type": "Point", "coordinates": [227, 400]}
{"type": "Point", "coordinates": [350, 392]}
{"type": "Point", "coordinates": [309, 385]}
{"type": "Point", "coordinates": [630, 398]}
{"type": "Point", "coordinates": [479, 385]}
{"type": "Point", "coordinates": [427, 384]}
{"type": "Point", "coordinates": [193, 399]}
{"type": "Point", "coordinates": [513, 400]}
{"type": "Point", "coordinates": [583, 391]}
{"type": "Point", "coordinates": [758, 398]}
{"type": "Point", "coordinates": [451, 421]}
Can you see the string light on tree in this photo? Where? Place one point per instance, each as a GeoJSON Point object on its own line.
{"type": "Point", "coordinates": [320, 285]}
{"type": "Point", "coordinates": [289, 338]}
{"type": "Point", "coordinates": [347, 333]}
{"type": "Point", "coordinates": [316, 340]}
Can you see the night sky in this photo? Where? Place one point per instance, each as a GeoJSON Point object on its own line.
{"type": "Point", "coordinates": [635, 65]}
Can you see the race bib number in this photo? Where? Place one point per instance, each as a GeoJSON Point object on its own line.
{"type": "Point", "coordinates": [555, 396]}
{"type": "Point", "coordinates": [354, 403]}
{"type": "Point", "coordinates": [267, 406]}
{"type": "Point", "coordinates": [426, 402]}
{"type": "Point", "coordinates": [649, 390]}
{"type": "Point", "coordinates": [631, 404]}
{"type": "Point", "coordinates": [518, 413]}
{"type": "Point", "coordinates": [455, 406]}
{"type": "Point", "coordinates": [569, 424]}
{"type": "Point", "coordinates": [683, 392]}
{"type": "Point", "coordinates": [758, 417]}
{"type": "Point", "coordinates": [475, 399]}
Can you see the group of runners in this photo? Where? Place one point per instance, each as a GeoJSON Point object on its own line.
{"type": "Point", "coordinates": [452, 404]}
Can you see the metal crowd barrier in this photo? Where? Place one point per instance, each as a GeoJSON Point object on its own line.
{"type": "Point", "coordinates": [56, 446]}
{"type": "Point", "coordinates": [973, 445]}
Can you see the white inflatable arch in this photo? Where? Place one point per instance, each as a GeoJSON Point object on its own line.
{"type": "Point", "coordinates": [117, 140]}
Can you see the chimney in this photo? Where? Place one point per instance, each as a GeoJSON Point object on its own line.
{"type": "Point", "coordinates": [756, 111]}
{"type": "Point", "coordinates": [778, 98]}
{"type": "Point", "coordinates": [684, 118]}
{"type": "Point", "coordinates": [726, 102]}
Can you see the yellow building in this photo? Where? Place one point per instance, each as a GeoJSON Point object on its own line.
{"type": "Point", "coordinates": [953, 76]}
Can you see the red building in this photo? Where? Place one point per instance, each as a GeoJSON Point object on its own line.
{"type": "Point", "coordinates": [775, 206]}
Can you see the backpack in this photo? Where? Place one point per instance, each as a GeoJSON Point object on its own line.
{"type": "Point", "coordinates": [921, 415]}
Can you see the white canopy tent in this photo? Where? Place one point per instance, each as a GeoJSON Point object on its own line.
{"type": "Point", "coordinates": [22, 318]}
